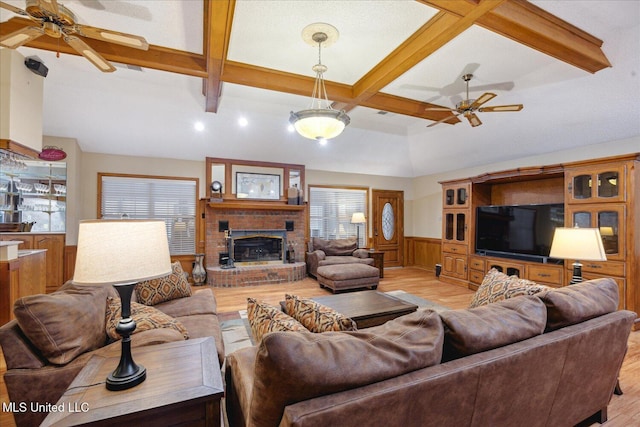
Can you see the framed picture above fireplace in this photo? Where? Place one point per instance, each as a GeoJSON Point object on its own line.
{"type": "Point", "coordinates": [258, 186]}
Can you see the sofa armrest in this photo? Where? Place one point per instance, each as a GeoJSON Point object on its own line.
{"type": "Point", "coordinates": [361, 253]}
{"type": "Point", "coordinates": [313, 260]}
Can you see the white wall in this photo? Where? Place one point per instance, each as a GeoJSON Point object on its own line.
{"type": "Point", "coordinates": [427, 203]}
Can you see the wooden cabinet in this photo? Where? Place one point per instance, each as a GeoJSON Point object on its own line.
{"type": "Point", "coordinates": [598, 193]}
{"type": "Point", "coordinates": [455, 222]}
{"type": "Point", "coordinates": [20, 277]}
{"type": "Point", "coordinates": [54, 259]}
{"type": "Point", "coordinates": [596, 183]}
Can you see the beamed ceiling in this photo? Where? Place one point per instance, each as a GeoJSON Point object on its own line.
{"type": "Point", "coordinates": [408, 58]}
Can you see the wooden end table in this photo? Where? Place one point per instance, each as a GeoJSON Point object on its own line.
{"type": "Point", "coordinates": [183, 386]}
{"type": "Point", "coordinates": [378, 261]}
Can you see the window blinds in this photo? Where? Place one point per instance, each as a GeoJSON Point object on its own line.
{"type": "Point", "coordinates": [171, 200]}
{"type": "Point", "coordinates": [330, 211]}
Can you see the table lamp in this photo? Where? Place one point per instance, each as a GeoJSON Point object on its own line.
{"type": "Point", "coordinates": [580, 244]}
{"type": "Point", "coordinates": [358, 218]}
{"type": "Point", "coordinates": [122, 253]}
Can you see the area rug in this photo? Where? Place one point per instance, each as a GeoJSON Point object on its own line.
{"type": "Point", "coordinates": [236, 331]}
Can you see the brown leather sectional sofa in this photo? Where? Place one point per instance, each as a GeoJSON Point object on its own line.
{"type": "Point", "coordinates": [546, 360]}
{"type": "Point", "coordinates": [31, 377]}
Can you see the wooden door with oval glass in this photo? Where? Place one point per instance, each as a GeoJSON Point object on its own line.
{"type": "Point", "coordinates": [388, 225]}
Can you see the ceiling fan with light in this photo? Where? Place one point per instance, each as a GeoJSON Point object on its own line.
{"type": "Point", "coordinates": [55, 20]}
{"type": "Point", "coordinates": [468, 107]}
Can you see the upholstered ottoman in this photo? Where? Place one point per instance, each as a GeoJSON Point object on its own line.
{"type": "Point", "coordinates": [339, 277]}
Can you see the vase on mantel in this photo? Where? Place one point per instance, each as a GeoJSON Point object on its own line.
{"type": "Point", "coordinates": [199, 273]}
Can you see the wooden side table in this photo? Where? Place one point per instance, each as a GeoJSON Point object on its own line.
{"type": "Point", "coordinates": [378, 261]}
{"type": "Point", "coordinates": [183, 386]}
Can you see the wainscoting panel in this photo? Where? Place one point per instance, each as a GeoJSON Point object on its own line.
{"type": "Point", "coordinates": [423, 252]}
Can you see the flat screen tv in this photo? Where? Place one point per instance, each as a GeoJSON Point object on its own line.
{"type": "Point", "coordinates": [518, 231]}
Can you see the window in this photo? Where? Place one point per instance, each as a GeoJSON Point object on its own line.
{"type": "Point", "coordinates": [330, 211]}
{"type": "Point", "coordinates": [170, 199]}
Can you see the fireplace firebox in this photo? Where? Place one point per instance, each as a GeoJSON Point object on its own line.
{"type": "Point", "coordinates": [251, 247]}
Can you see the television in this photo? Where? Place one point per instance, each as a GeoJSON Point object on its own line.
{"type": "Point", "coordinates": [518, 231]}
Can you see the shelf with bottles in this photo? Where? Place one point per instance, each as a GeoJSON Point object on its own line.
{"type": "Point", "coordinates": [34, 192]}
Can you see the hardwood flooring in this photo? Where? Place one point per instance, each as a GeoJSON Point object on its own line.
{"type": "Point", "coordinates": [624, 411]}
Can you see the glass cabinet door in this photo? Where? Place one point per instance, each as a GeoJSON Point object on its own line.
{"type": "Point", "coordinates": [601, 184]}
{"type": "Point", "coordinates": [608, 220]}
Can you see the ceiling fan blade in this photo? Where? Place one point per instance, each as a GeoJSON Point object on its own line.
{"type": "Point", "coordinates": [487, 96]}
{"type": "Point", "coordinates": [440, 109]}
{"type": "Point", "coordinates": [87, 51]}
{"type": "Point", "coordinates": [473, 119]}
{"type": "Point", "coordinates": [50, 6]}
{"type": "Point", "coordinates": [498, 108]}
{"type": "Point", "coordinates": [20, 37]}
{"type": "Point", "coordinates": [444, 120]}
{"type": "Point", "coordinates": [110, 36]}
{"type": "Point", "coordinates": [13, 9]}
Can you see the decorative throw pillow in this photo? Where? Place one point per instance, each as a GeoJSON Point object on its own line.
{"type": "Point", "coordinates": [146, 318]}
{"type": "Point", "coordinates": [317, 317]}
{"type": "Point", "coordinates": [64, 324]}
{"type": "Point", "coordinates": [172, 286]}
{"type": "Point", "coordinates": [265, 318]}
{"type": "Point", "coordinates": [497, 286]}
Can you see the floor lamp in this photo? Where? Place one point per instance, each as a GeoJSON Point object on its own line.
{"type": "Point", "coordinates": [579, 244]}
{"type": "Point", "coordinates": [122, 253]}
{"type": "Point", "coordinates": [358, 218]}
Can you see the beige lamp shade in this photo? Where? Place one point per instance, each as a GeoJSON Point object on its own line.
{"type": "Point", "coordinates": [358, 218]}
{"type": "Point", "coordinates": [583, 244]}
{"type": "Point", "coordinates": [606, 231]}
{"type": "Point", "coordinates": [121, 251]}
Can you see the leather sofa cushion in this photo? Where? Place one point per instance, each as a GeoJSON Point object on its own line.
{"type": "Point", "coordinates": [317, 317]}
{"type": "Point", "coordinates": [291, 368]}
{"type": "Point", "coordinates": [497, 286]}
{"type": "Point", "coordinates": [582, 301]}
{"type": "Point", "coordinates": [66, 323]}
{"type": "Point", "coordinates": [335, 246]}
{"type": "Point", "coordinates": [166, 288]}
{"type": "Point", "coordinates": [202, 301]}
{"type": "Point", "coordinates": [491, 326]}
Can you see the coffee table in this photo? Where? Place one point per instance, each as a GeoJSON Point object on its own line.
{"type": "Point", "coordinates": [367, 308]}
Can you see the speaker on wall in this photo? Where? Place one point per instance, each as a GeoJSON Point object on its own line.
{"type": "Point", "coordinates": [223, 226]}
{"type": "Point", "coordinates": [288, 225]}
{"type": "Point", "coordinates": [36, 65]}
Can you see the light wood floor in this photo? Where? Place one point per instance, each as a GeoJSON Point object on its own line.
{"type": "Point", "coordinates": [624, 411]}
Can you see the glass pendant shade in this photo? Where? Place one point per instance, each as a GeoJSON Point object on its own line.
{"type": "Point", "coordinates": [319, 124]}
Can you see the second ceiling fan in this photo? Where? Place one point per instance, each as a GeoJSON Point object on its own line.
{"type": "Point", "coordinates": [468, 107]}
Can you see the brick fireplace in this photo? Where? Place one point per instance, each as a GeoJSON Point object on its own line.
{"type": "Point", "coordinates": [249, 219]}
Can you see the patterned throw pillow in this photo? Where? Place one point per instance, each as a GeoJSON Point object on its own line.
{"type": "Point", "coordinates": [497, 286]}
{"type": "Point", "coordinates": [146, 318]}
{"type": "Point", "coordinates": [265, 318]}
{"type": "Point", "coordinates": [172, 286]}
{"type": "Point", "coordinates": [317, 317]}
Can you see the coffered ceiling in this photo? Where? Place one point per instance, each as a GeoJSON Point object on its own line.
{"type": "Point", "coordinates": [573, 64]}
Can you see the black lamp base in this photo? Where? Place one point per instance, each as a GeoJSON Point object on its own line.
{"type": "Point", "coordinates": [577, 273]}
{"type": "Point", "coordinates": [127, 374]}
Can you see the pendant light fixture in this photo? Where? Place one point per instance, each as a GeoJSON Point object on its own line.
{"type": "Point", "coordinates": [320, 121]}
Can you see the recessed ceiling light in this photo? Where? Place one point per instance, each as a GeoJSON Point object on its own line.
{"type": "Point", "coordinates": [199, 126]}
{"type": "Point", "coordinates": [243, 121]}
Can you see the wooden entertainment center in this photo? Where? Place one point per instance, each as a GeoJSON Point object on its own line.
{"type": "Point", "coordinates": [600, 193]}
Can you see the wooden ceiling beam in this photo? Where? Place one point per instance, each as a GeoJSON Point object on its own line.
{"type": "Point", "coordinates": [538, 29]}
{"type": "Point", "coordinates": [157, 57]}
{"type": "Point", "coordinates": [440, 30]}
{"type": "Point", "coordinates": [218, 20]}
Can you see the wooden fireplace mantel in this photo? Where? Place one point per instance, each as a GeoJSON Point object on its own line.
{"type": "Point", "coordinates": [263, 206]}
